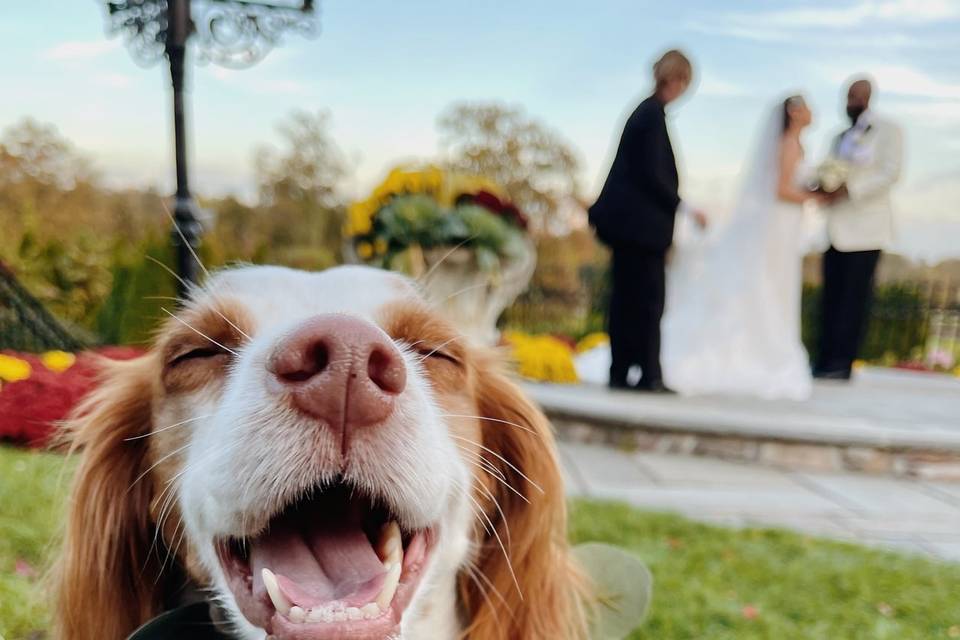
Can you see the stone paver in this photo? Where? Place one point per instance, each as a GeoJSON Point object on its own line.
{"type": "Point", "coordinates": [903, 515]}
{"type": "Point", "coordinates": [880, 407]}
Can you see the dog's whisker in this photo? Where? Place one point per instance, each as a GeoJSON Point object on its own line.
{"type": "Point", "coordinates": [491, 587]}
{"type": "Point", "coordinates": [501, 458]}
{"type": "Point", "coordinates": [186, 285]}
{"type": "Point", "coordinates": [158, 462]}
{"type": "Point", "coordinates": [484, 465]}
{"type": "Point", "coordinates": [424, 358]}
{"type": "Point", "coordinates": [506, 556]}
{"type": "Point", "coordinates": [172, 426]}
{"type": "Point", "coordinates": [488, 418]}
{"type": "Point", "coordinates": [423, 279]}
{"type": "Point", "coordinates": [472, 573]}
{"type": "Point", "coordinates": [464, 290]}
{"type": "Point", "coordinates": [503, 516]}
{"type": "Point", "coordinates": [198, 332]}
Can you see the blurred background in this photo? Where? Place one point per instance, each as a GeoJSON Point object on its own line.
{"type": "Point", "coordinates": [278, 151]}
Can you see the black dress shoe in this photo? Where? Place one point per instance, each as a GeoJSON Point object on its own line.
{"type": "Point", "coordinates": [653, 386]}
{"type": "Point", "coordinates": [831, 374]}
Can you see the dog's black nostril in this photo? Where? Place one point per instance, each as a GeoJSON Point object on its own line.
{"type": "Point", "coordinates": [315, 359]}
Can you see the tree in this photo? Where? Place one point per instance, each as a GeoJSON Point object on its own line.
{"type": "Point", "coordinates": [302, 208]}
{"type": "Point", "coordinates": [536, 166]}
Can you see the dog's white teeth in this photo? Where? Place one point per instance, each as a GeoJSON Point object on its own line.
{"type": "Point", "coordinates": [390, 545]}
{"type": "Point", "coordinates": [318, 615]}
{"type": "Point", "coordinates": [334, 613]}
{"type": "Point", "coordinates": [389, 586]}
{"type": "Point", "coordinates": [297, 614]}
{"type": "Point", "coordinates": [279, 600]}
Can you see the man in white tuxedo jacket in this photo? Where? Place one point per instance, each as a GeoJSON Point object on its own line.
{"type": "Point", "coordinates": [860, 225]}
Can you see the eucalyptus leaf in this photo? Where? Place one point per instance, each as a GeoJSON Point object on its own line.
{"type": "Point", "coordinates": [623, 588]}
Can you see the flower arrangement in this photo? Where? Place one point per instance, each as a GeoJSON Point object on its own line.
{"type": "Point", "coordinates": [542, 357]}
{"type": "Point", "coordinates": [418, 209]}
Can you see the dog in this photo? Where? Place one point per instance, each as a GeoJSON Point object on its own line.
{"type": "Point", "coordinates": [320, 456]}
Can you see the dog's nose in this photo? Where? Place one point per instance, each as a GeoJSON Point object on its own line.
{"type": "Point", "coordinates": [340, 369]}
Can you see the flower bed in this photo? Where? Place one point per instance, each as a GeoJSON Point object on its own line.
{"type": "Point", "coordinates": [38, 390]}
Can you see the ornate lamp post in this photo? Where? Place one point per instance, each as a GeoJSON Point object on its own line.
{"type": "Point", "coordinates": [232, 33]}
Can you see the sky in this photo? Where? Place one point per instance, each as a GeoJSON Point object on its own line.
{"type": "Point", "coordinates": [386, 69]}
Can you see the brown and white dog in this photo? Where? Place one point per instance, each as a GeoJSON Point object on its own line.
{"type": "Point", "coordinates": [323, 457]}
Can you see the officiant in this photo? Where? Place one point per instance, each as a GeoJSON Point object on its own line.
{"type": "Point", "coordinates": [634, 215]}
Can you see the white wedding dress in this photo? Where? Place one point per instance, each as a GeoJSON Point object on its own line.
{"type": "Point", "coordinates": [732, 318]}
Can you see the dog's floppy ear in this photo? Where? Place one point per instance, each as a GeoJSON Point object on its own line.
{"type": "Point", "coordinates": [531, 587]}
{"type": "Point", "coordinates": [105, 580]}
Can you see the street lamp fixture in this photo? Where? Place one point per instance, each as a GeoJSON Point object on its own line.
{"type": "Point", "coordinates": [231, 33]}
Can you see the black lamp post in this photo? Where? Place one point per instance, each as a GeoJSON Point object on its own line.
{"type": "Point", "coordinates": [233, 33]}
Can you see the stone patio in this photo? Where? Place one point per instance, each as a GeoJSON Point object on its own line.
{"type": "Point", "coordinates": [889, 422]}
{"type": "Point", "coordinates": [913, 516]}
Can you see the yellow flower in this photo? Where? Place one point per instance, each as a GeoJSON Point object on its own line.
{"type": "Point", "coordinates": [543, 358]}
{"type": "Point", "coordinates": [13, 369]}
{"type": "Point", "coordinates": [592, 341]}
{"type": "Point", "coordinates": [360, 218]}
{"type": "Point", "coordinates": [380, 246]}
{"type": "Point", "coordinates": [365, 250]}
{"type": "Point", "coordinates": [58, 361]}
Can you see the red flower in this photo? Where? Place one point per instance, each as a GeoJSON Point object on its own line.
{"type": "Point", "coordinates": [506, 210]}
{"type": "Point", "coordinates": [30, 409]}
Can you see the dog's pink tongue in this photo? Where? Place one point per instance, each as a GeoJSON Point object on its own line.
{"type": "Point", "coordinates": [318, 563]}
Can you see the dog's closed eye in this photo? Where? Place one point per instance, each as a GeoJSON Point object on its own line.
{"type": "Point", "coordinates": [198, 353]}
{"type": "Point", "coordinates": [427, 353]}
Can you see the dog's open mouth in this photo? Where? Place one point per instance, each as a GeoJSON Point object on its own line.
{"type": "Point", "coordinates": [333, 565]}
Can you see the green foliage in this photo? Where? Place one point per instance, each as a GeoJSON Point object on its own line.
{"type": "Point", "coordinates": [133, 310]}
{"type": "Point", "coordinates": [897, 326]}
{"type": "Point", "coordinates": [70, 278]}
{"type": "Point", "coordinates": [419, 221]}
{"type": "Point", "coordinates": [765, 584]}
{"type": "Point", "coordinates": [32, 493]}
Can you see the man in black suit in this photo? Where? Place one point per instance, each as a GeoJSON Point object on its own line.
{"type": "Point", "coordinates": [634, 216]}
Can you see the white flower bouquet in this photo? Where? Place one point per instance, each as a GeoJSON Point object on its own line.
{"type": "Point", "coordinates": [832, 174]}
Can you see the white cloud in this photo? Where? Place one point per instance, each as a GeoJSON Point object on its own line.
{"type": "Point", "coordinates": [716, 87]}
{"type": "Point", "coordinates": [80, 50]}
{"type": "Point", "coordinates": [833, 17]}
{"type": "Point", "coordinates": [895, 79]}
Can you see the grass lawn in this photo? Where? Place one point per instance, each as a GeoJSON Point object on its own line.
{"type": "Point", "coordinates": [710, 583]}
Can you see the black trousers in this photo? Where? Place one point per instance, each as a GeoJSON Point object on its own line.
{"type": "Point", "coordinates": [847, 290]}
{"type": "Point", "coordinates": [636, 306]}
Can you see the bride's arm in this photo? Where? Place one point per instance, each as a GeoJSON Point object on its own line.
{"type": "Point", "coordinates": [787, 191]}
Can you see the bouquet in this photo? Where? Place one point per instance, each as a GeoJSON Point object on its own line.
{"type": "Point", "coordinates": [832, 174]}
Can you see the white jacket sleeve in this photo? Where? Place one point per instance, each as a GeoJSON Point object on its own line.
{"type": "Point", "coordinates": [887, 169]}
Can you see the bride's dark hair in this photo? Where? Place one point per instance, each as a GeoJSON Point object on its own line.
{"type": "Point", "coordinates": [792, 101]}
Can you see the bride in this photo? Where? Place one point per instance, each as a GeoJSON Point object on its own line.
{"type": "Point", "coordinates": [732, 321]}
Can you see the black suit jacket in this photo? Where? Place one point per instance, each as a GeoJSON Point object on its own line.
{"type": "Point", "coordinates": [639, 200]}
